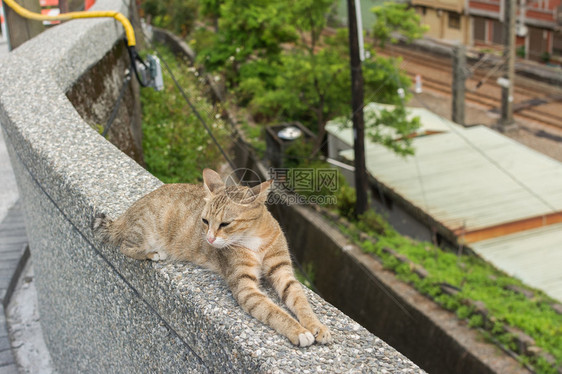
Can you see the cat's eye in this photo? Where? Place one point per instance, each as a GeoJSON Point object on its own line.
{"type": "Point", "coordinates": [224, 224]}
{"type": "Point", "coordinates": [205, 221]}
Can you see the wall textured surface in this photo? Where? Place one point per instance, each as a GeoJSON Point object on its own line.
{"type": "Point", "coordinates": [103, 312]}
{"type": "Point", "coordinates": [95, 96]}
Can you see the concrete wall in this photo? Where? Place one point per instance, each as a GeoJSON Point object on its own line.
{"type": "Point", "coordinates": [438, 21]}
{"type": "Point", "coordinates": [103, 312]}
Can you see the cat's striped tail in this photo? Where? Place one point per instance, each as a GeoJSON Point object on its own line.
{"type": "Point", "coordinates": [100, 227]}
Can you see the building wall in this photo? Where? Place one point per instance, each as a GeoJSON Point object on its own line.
{"type": "Point", "coordinates": [445, 22]}
{"type": "Point", "coordinates": [431, 18]}
{"type": "Point", "coordinates": [540, 19]}
{"type": "Point", "coordinates": [456, 27]}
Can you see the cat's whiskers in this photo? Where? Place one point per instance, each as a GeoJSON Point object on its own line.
{"type": "Point", "coordinates": [234, 240]}
{"type": "Point", "coordinates": [242, 240]}
{"type": "Point", "coordinates": [227, 245]}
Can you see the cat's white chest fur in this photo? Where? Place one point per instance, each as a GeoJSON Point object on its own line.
{"type": "Point", "coordinates": [253, 242]}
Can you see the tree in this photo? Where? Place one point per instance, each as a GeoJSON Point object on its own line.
{"type": "Point", "coordinates": [182, 18]}
{"type": "Point", "coordinates": [248, 31]}
{"type": "Point", "coordinates": [307, 88]}
{"type": "Point", "coordinates": [392, 18]}
{"type": "Point", "coordinates": [316, 88]}
{"type": "Point", "coordinates": [278, 61]}
{"type": "Point", "coordinates": [309, 18]}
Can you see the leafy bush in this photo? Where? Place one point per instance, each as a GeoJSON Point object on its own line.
{"type": "Point", "coordinates": [306, 275]}
{"type": "Point", "coordinates": [396, 17]}
{"type": "Point", "coordinates": [176, 15]}
{"type": "Point", "coordinates": [176, 145]}
{"type": "Point", "coordinates": [475, 320]}
{"type": "Point", "coordinates": [520, 51]}
{"type": "Point", "coordinates": [346, 199]}
{"type": "Point", "coordinates": [372, 223]}
{"type": "Point", "coordinates": [476, 280]}
{"type": "Point", "coordinates": [283, 78]}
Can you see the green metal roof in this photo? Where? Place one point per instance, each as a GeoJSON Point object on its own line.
{"type": "Point", "coordinates": [472, 178]}
{"type": "Point", "coordinates": [534, 256]}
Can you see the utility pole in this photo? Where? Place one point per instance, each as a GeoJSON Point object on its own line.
{"type": "Point", "coordinates": [459, 78]}
{"type": "Point", "coordinates": [507, 82]}
{"type": "Point", "coordinates": [357, 110]}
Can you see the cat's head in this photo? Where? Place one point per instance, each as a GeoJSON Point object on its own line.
{"type": "Point", "coordinates": [232, 213]}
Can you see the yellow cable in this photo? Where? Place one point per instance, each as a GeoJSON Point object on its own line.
{"type": "Point", "coordinates": [129, 32]}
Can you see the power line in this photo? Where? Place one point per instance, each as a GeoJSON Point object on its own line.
{"type": "Point", "coordinates": [196, 112]}
{"type": "Point", "coordinates": [117, 104]}
{"type": "Point", "coordinates": [193, 108]}
{"type": "Point", "coordinates": [490, 72]}
{"type": "Point", "coordinates": [478, 63]}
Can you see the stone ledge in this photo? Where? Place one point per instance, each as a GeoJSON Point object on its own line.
{"type": "Point", "coordinates": [98, 307]}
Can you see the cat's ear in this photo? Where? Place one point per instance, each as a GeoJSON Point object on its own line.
{"type": "Point", "coordinates": [212, 182]}
{"type": "Point", "coordinates": [260, 191]}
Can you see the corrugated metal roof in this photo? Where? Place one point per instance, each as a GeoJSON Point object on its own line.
{"type": "Point", "coordinates": [429, 121]}
{"type": "Point", "coordinates": [476, 179]}
{"type": "Point", "coordinates": [534, 256]}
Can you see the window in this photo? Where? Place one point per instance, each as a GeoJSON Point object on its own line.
{"type": "Point", "coordinates": [454, 21]}
{"type": "Point", "coordinates": [479, 29]}
{"type": "Point", "coordinates": [497, 32]}
{"type": "Point", "coordinates": [557, 44]}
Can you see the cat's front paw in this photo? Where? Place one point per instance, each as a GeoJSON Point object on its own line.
{"type": "Point", "coordinates": [321, 333]}
{"type": "Point", "coordinates": [301, 338]}
{"type": "Point", "coordinates": [306, 339]}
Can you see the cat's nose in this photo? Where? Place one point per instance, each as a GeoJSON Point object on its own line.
{"type": "Point", "coordinates": [211, 239]}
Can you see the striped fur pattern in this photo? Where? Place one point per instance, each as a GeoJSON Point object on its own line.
{"type": "Point", "coordinates": [228, 230]}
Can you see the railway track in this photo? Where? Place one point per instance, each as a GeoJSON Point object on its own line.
{"type": "Point", "coordinates": [488, 95]}
{"type": "Point", "coordinates": [442, 87]}
{"type": "Point", "coordinates": [444, 64]}
{"type": "Point", "coordinates": [492, 103]}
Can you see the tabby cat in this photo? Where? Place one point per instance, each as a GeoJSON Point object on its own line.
{"type": "Point", "coordinates": [228, 230]}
